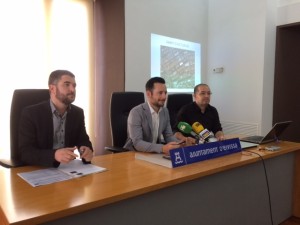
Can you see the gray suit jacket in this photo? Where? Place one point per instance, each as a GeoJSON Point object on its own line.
{"type": "Point", "coordinates": [140, 129]}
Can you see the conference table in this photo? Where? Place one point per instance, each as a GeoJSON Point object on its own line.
{"type": "Point", "coordinates": [249, 187]}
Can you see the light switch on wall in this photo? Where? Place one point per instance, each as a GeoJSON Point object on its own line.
{"type": "Point", "coordinates": [218, 70]}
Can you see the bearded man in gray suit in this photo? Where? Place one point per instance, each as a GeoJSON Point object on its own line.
{"type": "Point", "coordinates": [149, 128]}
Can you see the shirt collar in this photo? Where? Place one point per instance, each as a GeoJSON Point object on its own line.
{"type": "Point", "coordinates": [198, 109]}
{"type": "Point", "coordinates": [54, 110]}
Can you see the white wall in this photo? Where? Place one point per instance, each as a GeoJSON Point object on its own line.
{"type": "Point", "coordinates": [242, 40]}
{"type": "Point", "coordinates": [288, 12]}
{"type": "Point", "coordinates": [236, 32]}
{"type": "Point", "coordinates": [269, 66]}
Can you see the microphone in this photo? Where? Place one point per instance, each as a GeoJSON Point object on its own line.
{"type": "Point", "coordinates": [202, 132]}
{"type": "Point", "coordinates": [187, 129]}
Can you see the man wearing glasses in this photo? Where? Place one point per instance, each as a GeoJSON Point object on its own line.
{"type": "Point", "coordinates": [200, 111]}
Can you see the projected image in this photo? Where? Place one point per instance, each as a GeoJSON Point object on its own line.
{"type": "Point", "coordinates": [177, 67]}
{"type": "Point", "coordinates": [177, 61]}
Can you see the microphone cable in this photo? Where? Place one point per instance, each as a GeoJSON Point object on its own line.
{"type": "Point", "coordinates": [267, 182]}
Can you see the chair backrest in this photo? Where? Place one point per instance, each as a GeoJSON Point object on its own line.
{"type": "Point", "coordinates": [175, 102]}
{"type": "Point", "coordinates": [120, 105]}
{"type": "Point", "coordinates": [22, 98]}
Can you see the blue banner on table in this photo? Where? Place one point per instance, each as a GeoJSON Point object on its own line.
{"type": "Point", "coordinates": [197, 153]}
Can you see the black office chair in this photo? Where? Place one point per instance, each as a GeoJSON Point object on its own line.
{"type": "Point", "coordinates": [21, 98]}
{"type": "Point", "coordinates": [120, 105]}
{"type": "Point", "coordinates": [174, 104]}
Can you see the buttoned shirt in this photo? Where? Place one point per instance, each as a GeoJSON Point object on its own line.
{"type": "Point", "coordinates": [155, 123]}
{"type": "Point", "coordinates": [59, 124]}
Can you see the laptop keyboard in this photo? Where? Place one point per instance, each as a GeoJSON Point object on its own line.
{"type": "Point", "coordinates": [254, 138]}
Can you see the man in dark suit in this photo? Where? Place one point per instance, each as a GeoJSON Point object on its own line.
{"type": "Point", "coordinates": [50, 131]}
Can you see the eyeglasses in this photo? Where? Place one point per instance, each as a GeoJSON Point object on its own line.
{"type": "Point", "coordinates": [203, 93]}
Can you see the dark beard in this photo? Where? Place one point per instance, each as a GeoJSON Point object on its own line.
{"type": "Point", "coordinates": [64, 99]}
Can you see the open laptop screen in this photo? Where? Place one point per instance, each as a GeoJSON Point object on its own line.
{"type": "Point", "coordinates": [272, 135]}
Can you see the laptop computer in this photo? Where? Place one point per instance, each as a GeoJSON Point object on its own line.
{"type": "Point", "coordinates": [272, 135]}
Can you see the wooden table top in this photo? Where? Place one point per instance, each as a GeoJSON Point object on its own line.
{"type": "Point", "coordinates": [126, 177]}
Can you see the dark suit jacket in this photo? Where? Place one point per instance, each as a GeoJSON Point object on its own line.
{"type": "Point", "coordinates": [36, 133]}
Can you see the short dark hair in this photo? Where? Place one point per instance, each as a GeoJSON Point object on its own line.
{"type": "Point", "coordinates": [196, 87]}
{"type": "Point", "coordinates": [56, 75]}
{"type": "Point", "coordinates": [150, 83]}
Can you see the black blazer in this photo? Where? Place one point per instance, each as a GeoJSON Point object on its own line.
{"type": "Point", "coordinates": [36, 133]}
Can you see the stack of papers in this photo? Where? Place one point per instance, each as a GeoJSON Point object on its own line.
{"type": "Point", "coordinates": [64, 172]}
